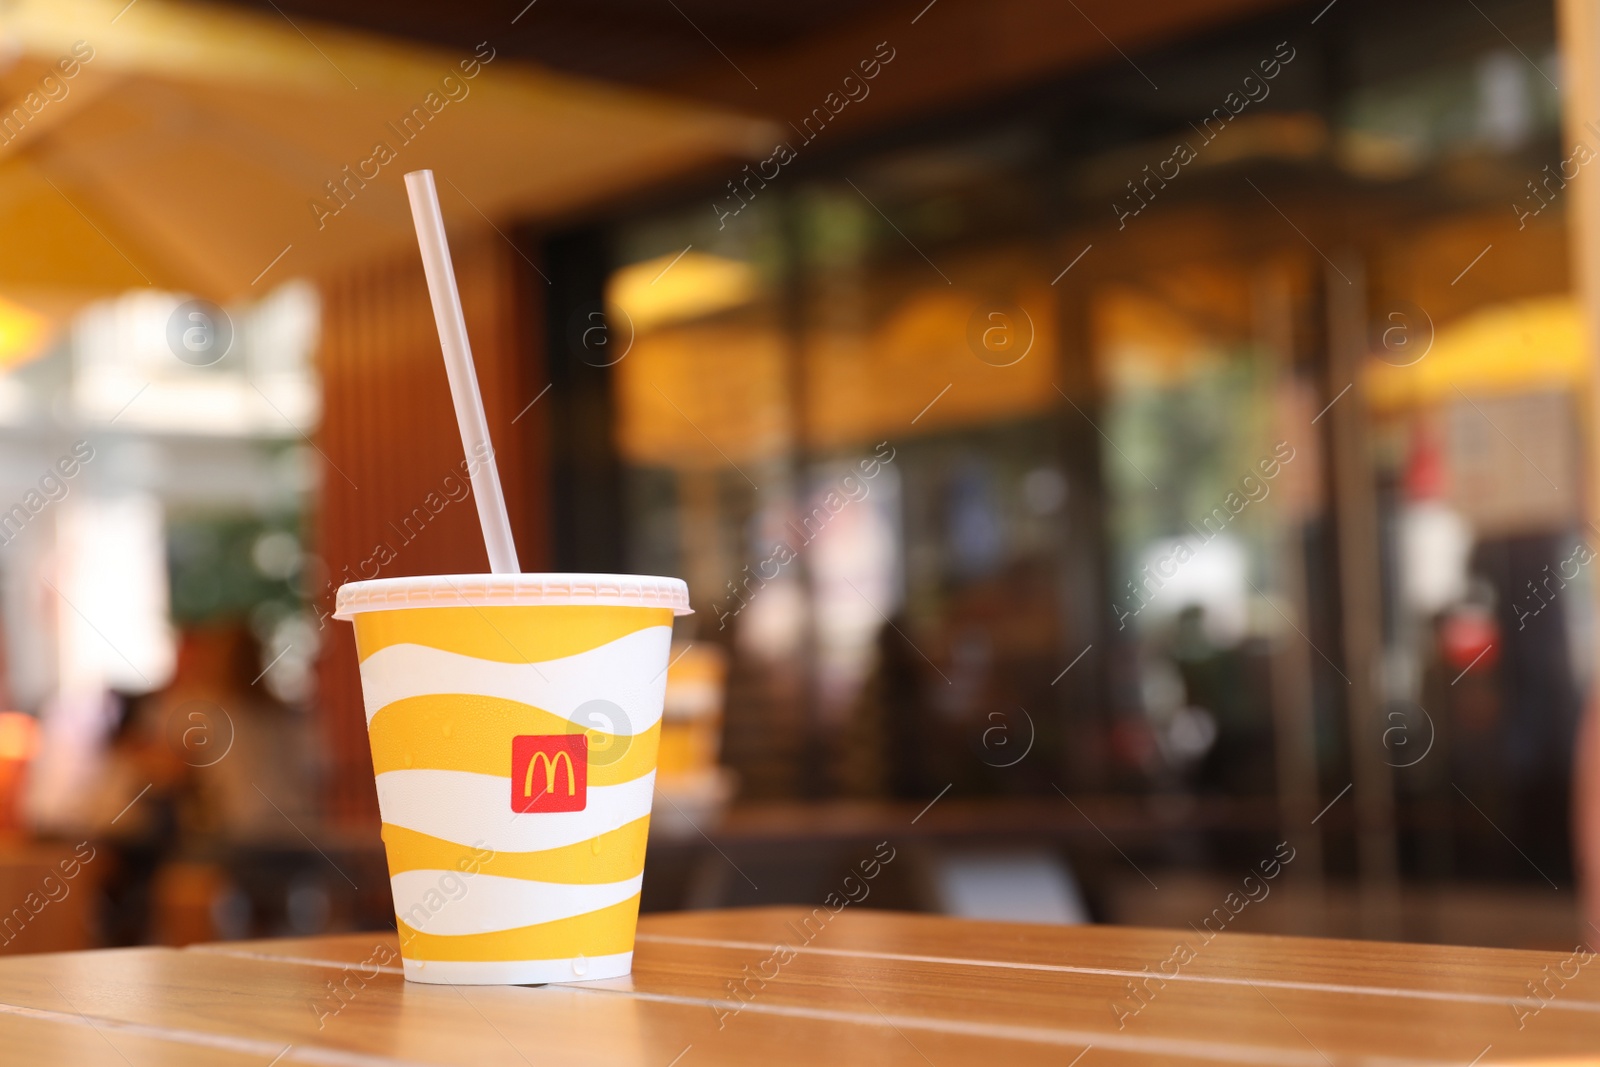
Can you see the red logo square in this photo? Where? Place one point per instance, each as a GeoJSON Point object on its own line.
{"type": "Point", "coordinates": [549, 772]}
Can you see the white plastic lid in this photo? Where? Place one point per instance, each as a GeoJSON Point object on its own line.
{"type": "Point", "coordinates": [485, 590]}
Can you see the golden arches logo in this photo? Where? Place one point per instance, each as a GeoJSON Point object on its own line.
{"type": "Point", "coordinates": [565, 761]}
{"type": "Point", "coordinates": [550, 766]}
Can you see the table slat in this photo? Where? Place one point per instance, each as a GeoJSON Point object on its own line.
{"type": "Point", "coordinates": [863, 987]}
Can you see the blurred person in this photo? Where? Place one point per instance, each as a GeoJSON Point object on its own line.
{"type": "Point", "coordinates": [1538, 696]}
{"type": "Point", "coordinates": [1224, 729]}
{"type": "Point", "coordinates": [1450, 734]}
{"type": "Point", "coordinates": [256, 767]}
{"type": "Point", "coordinates": [134, 814]}
{"type": "Point", "coordinates": [1586, 810]}
{"type": "Point", "coordinates": [889, 742]}
{"type": "Point", "coordinates": [1461, 677]}
{"type": "Point", "coordinates": [984, 719]}
{"type": "Point", "coordinates": [253, 756]}
{"type": "Point", "coordinates": [207, 770]}
{"type": "Point", "coordinates": [765, 740]}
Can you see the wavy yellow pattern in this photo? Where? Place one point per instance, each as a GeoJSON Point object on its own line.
{"type": "Point", "coordinates": [596, 933]}
{"type": "Point", "coordinates": [467, 732]}
{"type": "Point", "coordinates": [529, 633]}
{"type": "Point", "coordinates": [620, 856]}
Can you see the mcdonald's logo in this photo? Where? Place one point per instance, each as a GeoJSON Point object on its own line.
{"type": "Point", "coordinates": [549, 772]}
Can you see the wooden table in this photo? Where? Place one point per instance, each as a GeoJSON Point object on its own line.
{"type": "Point", "coordinates": [863, 987]}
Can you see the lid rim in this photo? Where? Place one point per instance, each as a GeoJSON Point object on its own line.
{"type": "Point", "coordinates": [511, 590]}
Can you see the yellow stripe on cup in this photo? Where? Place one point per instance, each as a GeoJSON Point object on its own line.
{"type": "Point", "coordinates": [466, 732]}
{"type": "Point", "coordinates": [505, 634]}
{"type": "Point", "coordinates": [597, 933]}
{"type": "Point", "coordinates": [608, 857]}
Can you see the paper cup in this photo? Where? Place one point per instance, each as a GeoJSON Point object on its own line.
{"type": "Point", "coordinates": [514, 722]}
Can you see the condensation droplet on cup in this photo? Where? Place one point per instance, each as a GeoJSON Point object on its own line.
{"type": "Point", "coordinates": [580, 966]}
{"type": "Point", "coordinates": [449, 728]}
{"type": "Point", "coordinates": [409, 760]}
{"type": "Point", "coordinates": [594, 846]}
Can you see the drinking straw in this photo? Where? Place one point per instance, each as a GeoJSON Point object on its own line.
{"type": "Point", "coordinates": [458, 368]}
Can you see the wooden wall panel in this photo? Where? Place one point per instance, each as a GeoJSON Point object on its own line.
{"type": "Point", "coordinates": [391, 447]}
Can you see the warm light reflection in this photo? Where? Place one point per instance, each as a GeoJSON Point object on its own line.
{"type": "Point", "coordinates": [19, 735]}
{"type": "Point", "coordinates": [22, 333]}
{"type": "Point", "coordinates": [676, 287]}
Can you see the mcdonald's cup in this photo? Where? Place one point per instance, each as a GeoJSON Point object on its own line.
{"type": "Point", "coordinates": [514, 722]}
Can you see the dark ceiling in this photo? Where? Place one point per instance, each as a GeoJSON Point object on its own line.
{"type": "Point", "coordinates": [645, 42]}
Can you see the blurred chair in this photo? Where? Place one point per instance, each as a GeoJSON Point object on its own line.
{"type": "Point", "coordinates": [1022, 885]}
{"type": "Point", "coordinates": [46, 910]}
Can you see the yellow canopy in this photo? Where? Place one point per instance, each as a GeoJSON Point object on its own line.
{"type": "Point", "coordinates": [211, 149]}
{"type": "Point", "coordinates": [1524, 346]}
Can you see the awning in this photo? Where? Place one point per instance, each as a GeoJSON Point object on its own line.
{"type": "Point", "coordinates": [1525, 346]}
{"type": "Point", "coordinates": [219, 151]}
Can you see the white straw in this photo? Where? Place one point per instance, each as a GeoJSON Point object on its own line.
{"type": "Point", "coordinates": [458, 368]}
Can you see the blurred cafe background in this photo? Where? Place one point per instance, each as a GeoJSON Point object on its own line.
{"type": "Point", "coordinates": [1109, 445]}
